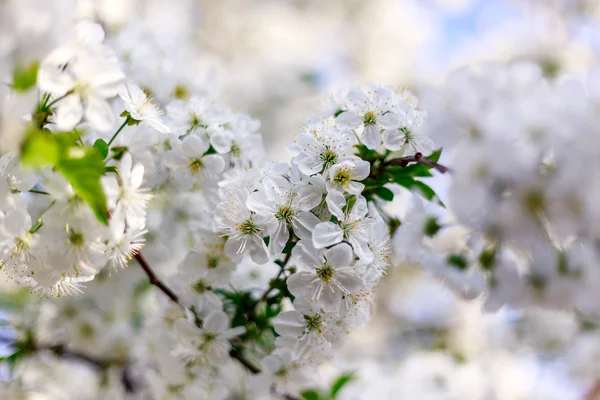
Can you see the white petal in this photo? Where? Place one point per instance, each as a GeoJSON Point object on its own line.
{"type": "Point", "coordinates": [393, 139]}
{"type": "Point", "coordinates": [99, 113]}
{"type": "Point", "coordinates": [289, 323]}
{"type": "Point", "coordinates": [216, 322]}
{"type": "Point", "coordinates": [371, 137]}
{"type": "Point", "coordinates": [339, 256]}
{"type": "Point", "coordinates": [193, 146]}
{"type": "Point", "coordinates": [221, 141]}
{"type": "Point", "coordinates": [327, 234]}
{"type": "Point", "coordinates": [304, 223]}
{"type": "Point", "coordinates": [68, 113]}
{"type": "Point", "coordinates": [214, 163]}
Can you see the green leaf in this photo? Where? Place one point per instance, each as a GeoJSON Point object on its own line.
{"type": "Point", "coordinates": [458, 260]}
{"type": "Point", "coordinates": [435, 156]}
{"type": "Point", "coordinates": [431, 227]}
{"type": "Point", "coordinates": [310, 394]}
{"type": "Point", "coordinates": [25, 77]}
{"type": "Point", "coordinates": [340, 383]}
{"type": "Point", "coordinates": [112, 169]}
{"type": "Point", "coordinates": [102, 147]}
{"type": "Point", "coordinates": [427, 192]}
{"type": "Point", "coordinates": [40, 149]}
{"type": "Point", "coordinates": [349, 203]}
{"type": "Point", "coordinates": [384, 193]}
{"type": "Point", "coordinates": [83, 168]}
{"type": "Point", "coordinates": [118, 152]}
{"type": "Point", "coordinates": [289, 246]}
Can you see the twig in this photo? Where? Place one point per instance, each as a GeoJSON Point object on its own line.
{"type": "Point", "coordinates": [154, 279]}
{"type": "Point", "coordinates": [268, 291]}
{"type": "Point", "coordinates": [238, 356]}
{"type": "Point", "coordinates": [419, 158]}
{"type": "Point", "coordinates": [165, 289]}
{"type": "Point", "coordinates": [61, 351]}
{"type": "Point", "coordinates": [594, 392]}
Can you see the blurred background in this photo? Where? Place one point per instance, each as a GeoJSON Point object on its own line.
{"type": "Point", "coordinates": [277, 59]}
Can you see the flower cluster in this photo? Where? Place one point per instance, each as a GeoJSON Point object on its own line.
{"type": "Point", "coordinates": [520, 159]}
{"type": "Point", "coordinates": [254, 262]}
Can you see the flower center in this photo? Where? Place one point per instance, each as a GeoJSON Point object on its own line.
{"type": "Point", "coordinates": [248, 227]}
{"type": "Point", "coordinates": [236, 151]}
{"type": "Point", "coordinates": [285, 213]}
{"type": "Point", "coordinates": [342, 177]}
{"type": "Point", "coordinates": [200, 287]}
{"type": "Point", "coordinates": [370, 118]}
{"type": "Point", "coordinates": [314, 323]}
{"type": "Point", "coordinates": [194, 121]}
{"type": "Point", "coordinates": [76, 238]}
{"type": "Point", "coordinates": [181, 92]}
{"type": "Point", "coordinates": [195, 166]}
{"type": "Point", "coordinates": [325, 273]}
{"type": "Point", "coordinates": [212, 261]}
{"type": "Point", "coordinates": [329, 157]}
{"type": "Point", "coordinates": [21, 245]}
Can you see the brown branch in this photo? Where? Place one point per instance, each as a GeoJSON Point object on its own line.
{"type": "Point", "coordinates": [154, 279]}
{"type": "Point", "coordinates": [419, 158]}
{"type": "Point", "coordinates": [166, 290]}
{"type": "Point", "coordinates": [60, 350]}
{"type": "Point", "coordinates": [238, 356]}
{"type": "Point", "coordinates": [594, 392]}
{"type": "Point", "coordinates": [268, 291]}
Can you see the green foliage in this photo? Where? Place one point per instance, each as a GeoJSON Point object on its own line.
{"type": "Point", "coordinates": [102, 147]}
{"type": "Point", "coordinates": [458, 260]}
{"type": "Point", "coordinates": [336, 387]}
{"type": "Point", "coordinates": [431, 227]}
{"type": "Point", "coordinates": [25, 77]}
{"type": "Point", "coordinates": [40, 149]}
{"type": "Point", "coordinates": [349, 203]}
{"type": "Point", "coordinates": [487, 258]}
{"type": "Point", "coordinates": [407, 176]}
{"type": "Point", "coordinates": [81, 166]}
{"type": "Point", "coordinates": [384, 193]}
{"type": "Point", "coordinates": [311, 394]}
{"type": "Point", "coordinates": [339, 383]}
{"type": "Point", "coordinates": [118, 152]}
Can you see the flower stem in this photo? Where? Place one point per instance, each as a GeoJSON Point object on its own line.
{"type": "Point", "coordinates": [112, 139]}
{"type": "Point", "coordinates": [53, 102]}
{"type": "Point", "coordinates": [39, 192]}
{"type": "Point", "coordinates": [40, 220]}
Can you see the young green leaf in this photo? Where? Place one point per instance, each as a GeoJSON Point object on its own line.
{"type": "Point", "coordinates": [102, 147]}
{"type": "Point", "coordinates": [310, 394]}
{"type": "Point", "coordinates": [83, 168]}
{"type": "Point", "coordinates": [340, 383]}
{"type": "Point", "coordinates": [25, 77]}
{"type": "Point", "coordinates": [384, 193]}
{"type": "Point", "coordinates": [39, 149]}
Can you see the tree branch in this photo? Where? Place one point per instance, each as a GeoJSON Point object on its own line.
{"type": "Point", "coordinates": [594, 392]}
{"type": "Point", "coordinates": [271, 288]}
{"type": "Point", "coordinates": [60, 350]}
{"type": "Point", "coordinates": [154, 279]}
{"type": "Point", "coordinates": [419, 158]}
{"type": "Point", "coordinates": [166, 290]}
{"type": "Point", "coordinates": [238, 356]}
